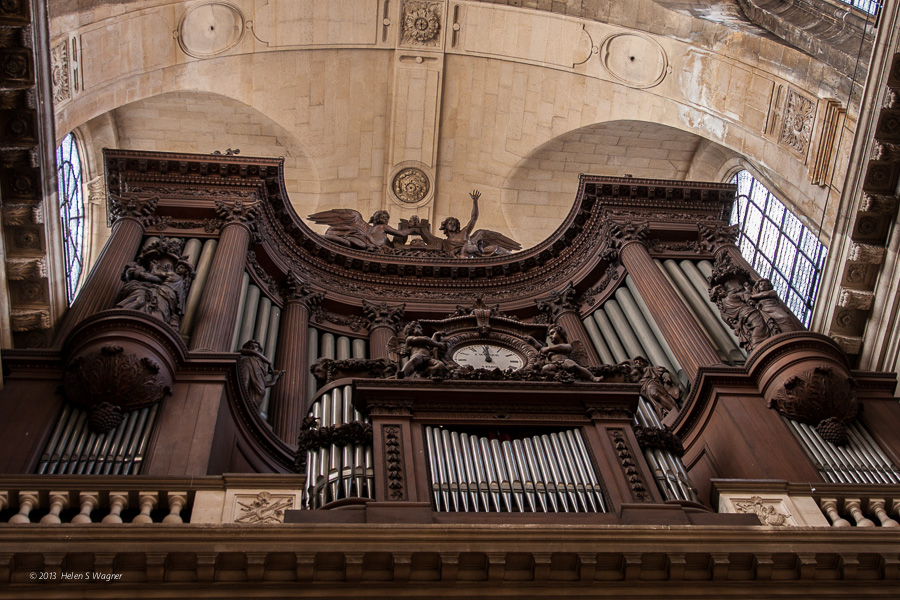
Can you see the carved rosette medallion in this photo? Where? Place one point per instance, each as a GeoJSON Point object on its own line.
{"type": "Point", "coordinates": [797, 123]}
{"type": "Point", "coordinates": [111, 382]}
{"type": "Point", "coordinates": [421, 23]}
{"type": "Point", "coordinates": [820, 397]}
{"type": "Point", "coordinates": [59, 70]}
{"type": "Point", "coordinates": [411, 185]}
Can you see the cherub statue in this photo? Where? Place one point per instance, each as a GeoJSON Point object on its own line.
{"type": "Point", "coordinates": [656, 382]}
{"type": "Point", "coordinates": [255, 370]}
{"type": "Point", "coordinates": [562, 356]}
{"type": "Point", "coordinates": [462, 242]}
{"type": "Point", "coordinates": [426, 354]}
{"type": "Point", "coordinates": [347, 227]}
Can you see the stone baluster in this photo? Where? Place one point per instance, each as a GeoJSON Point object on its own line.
{"type": "Point", "coordinates": [89, 502]}
{"type": "Point", "coordinates": [118, 501]}
{"type": "Point", "coordinates": [102, 286]}
{"type": "Point", "coordinates": [148, 502]}
{"type": "Point", "coordinates": [383, 320]}
{"type": "Point", "coordinates": [562, 308]}
{"type": "Point", "coordinates": [877, 507]}
{"type": "Point", "coordinates": [177, 501]}
{"type": "Point", "coordinates": [58, 502]}
{"type": "Point", "coordinates": [28, 501]}
{"type": "Point", "coordinates": [853, 507]}
{"type": "Point", "coordinates": [688, 341]}
{"type": "Point", "coordinates": [829, 507]}
{"type": "Point", "coordinates": [289, 401]}
{"type": "Point", "coordinates": [218, 310]}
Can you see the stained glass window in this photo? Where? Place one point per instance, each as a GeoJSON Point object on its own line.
{"type": "Point", "coordinates": [869, 6]}
{"type": "Point", "coordinates": [778, 245]}
{"type": "Point", "coordinates": [71, 211]}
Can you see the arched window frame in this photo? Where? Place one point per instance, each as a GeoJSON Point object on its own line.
{"type": "Point", "coordinates": [70, 183]}
{"type": "Point", "coordinates": [778, 245]}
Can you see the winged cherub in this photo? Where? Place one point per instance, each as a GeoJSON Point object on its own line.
{"type": "Point", "coordinates": [462, 242]}
{"type": "Point", "coordinates": [348, 228]}
{"type": "Point", "coordinates": [560, 355]}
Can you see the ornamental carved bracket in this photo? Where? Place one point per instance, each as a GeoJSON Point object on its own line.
{"type": "Point", "coordinates": [110, 382]}
{"type": "Point", "coordinates": [820, 397]}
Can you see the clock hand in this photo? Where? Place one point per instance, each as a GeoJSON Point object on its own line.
{"type": "Point", "coordinates": [487, 355]}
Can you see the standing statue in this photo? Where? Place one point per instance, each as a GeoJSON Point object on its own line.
{"type": "Point", "coordinates": [426, 354]}
{"type": "Point", "coordinates": [657, 384]}
{"type": "Point", "coordinates": [348, 228]}
{"type": "Point", "coordinates": [560, 356]}
{"type": "Point", "coordinates": [158, 282]}
{"type": "Point", "coordinates": [255, 370]}
{"type": "Point", "coordinates": [464, 242]}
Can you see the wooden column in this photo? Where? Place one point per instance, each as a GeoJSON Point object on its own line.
{"type": "Point", "coordinates": [102, 286]}
{"type": "Point", "coordinates": [687, 339]}
{"type": "Point", "coordinates": [218, 310]}
{"type": "Point", "coordinates": [562, 308]}
{"type": "Point", "coordinates": [289, 401]}
{"type": "Point", "coordinates": [383, 320]}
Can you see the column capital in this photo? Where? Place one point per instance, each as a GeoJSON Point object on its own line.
{"type": "Point", "coordinates": [131, 207]}
{"type": "Point", "coordinates": [382, 314]}
{"type": "Point", "coordinates": [560, 301]}
{"type": "Point", "coordinates": [622, 234]}
{"type": "Point", "coordinates": [296, 290]}
{"type": "Point", "coordinates": [240, 213]}
{"type": "Point", "coordinates": [714, 238]}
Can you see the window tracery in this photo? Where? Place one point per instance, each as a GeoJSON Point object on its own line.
{"type": "Point", "coordinates": [71, 211]}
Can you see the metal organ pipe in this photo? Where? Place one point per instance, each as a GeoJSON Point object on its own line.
{"type": "Point", "coordinates": [203, 262]}
{"type": "Point", "coordinates": [636, 318]}
{"type": "Point", "coordinates": [654, 327]}
{"type": "Point", "coordinates": [701, 286]}
{"type": "Point", "coordinates": [542, 473]}
{"type": "Point", "coordinates": [609, 334]}
{"type": "Point", "coordinates": [600, 345]}
{"type": "Point", "coordinates": [248, 317]}
{"type": "Point", "coordinates": [623, 328]}
{"type": "Point", "coordinates": [245, 288]}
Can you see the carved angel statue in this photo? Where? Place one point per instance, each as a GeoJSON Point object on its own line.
{"type": "Point", "coordinates": [561, 356]}
{"type": "Point", "coordinates": [348, 228]}
{"type": "Point", "coordinates": [255, 370]}
{"type": "Point", "coordinates": [426, 354]}
{"type": "Point", "coordinates": [462, 242]}
{"type": "Point", "coordinates": [657, 384]}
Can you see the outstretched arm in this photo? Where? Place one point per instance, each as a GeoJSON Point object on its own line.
{"type": "Point", "coordinates": [475, 195]}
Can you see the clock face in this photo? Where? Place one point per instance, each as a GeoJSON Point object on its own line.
{"type": "Point", "coordinates": [488, 356]}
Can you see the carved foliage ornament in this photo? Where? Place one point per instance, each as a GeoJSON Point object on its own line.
{"type": "Point", "coordinates": [111, 382]}
{"type": "Point", "coordinates": [131, 206]}
{"type": "Point", "coordinates": [796, 126]}
{"type": "Point", "coordinates": [394, 462]}
{"type": "Point", "coordinates": [714, 237]}
{"type": "Point", "coordinates": [296, 290]}
{"type": "Point", "coordinates": [313, 438]}
{"type": "Point", "coordinates": [629, 466]}
{"type": "Point", "coordinates": [819, 397]}
{"type": "Point", "coordinates": [382, 314]}
{"type": "Point", "coordinates": [59, 65]}
{"type": "Point", "coordinates": [411, 185]}
{"type": "Point", "coordinates": [421, 23]}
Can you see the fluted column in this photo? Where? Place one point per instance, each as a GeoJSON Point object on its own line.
{"type": "Point", "coordinates": [383, 320]}
{"type": "Point", "coordinates": [105, 279]}
{"type": "Point", "coordinates": [562, 308]}
{"type": "Point", "coordinates": [688, 341]}
{"type": "Point", "coordinates": [289, 401]}
{"type": "Point", "coordinates": [218, 309]}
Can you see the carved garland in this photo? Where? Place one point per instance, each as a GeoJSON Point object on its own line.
{"type": "Point", "coordinates": [393, 454]}
{"type": "Point", "coordinates": [626, 461]}
{"type": "Point", "coordinates": [313, 438]}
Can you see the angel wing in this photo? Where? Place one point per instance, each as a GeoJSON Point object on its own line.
{"type": "Point", "coordinates": [397, 349]}
{"type": "Point", "coordinates": [501, 243]}
{"type": "Point", "coordinates": [579, 353]}
{"type": "Point", "coordinates": [340, 217]}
